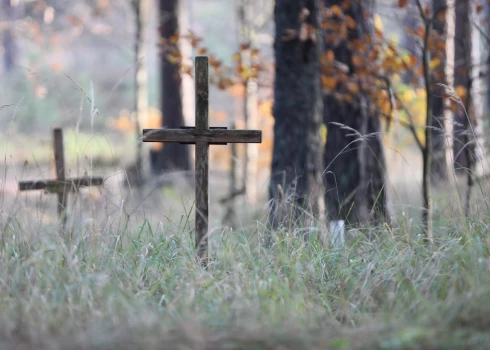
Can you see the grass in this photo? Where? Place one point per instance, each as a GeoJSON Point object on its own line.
{"type": "Point", "coordinates": [139, 288]}
{"type": "Point", "coordinates": [124, 275]}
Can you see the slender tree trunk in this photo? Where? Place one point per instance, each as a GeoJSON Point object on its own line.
{"type": "Point", "coordinates": [487, 52]}
{"type": "Point", "coordinates": [439, 169]}
{"type": "Point", "coordinates": [449, 74]}
{"type": "Point", "coordinates": [477, 105]}
{"type": "Point", "coordinates": [296, 159]}
{"type": "Point", "coordinates": [355, 174]}
{"type": "Point", "coordinates": [141, 78]}
{"type": "Point", "coordinates": [188, 98]}
{"type": "Point", "coordinates": [461, 80]}
{"type": "Point", "coordinates": [427, 153]}
{"type": "Point", "coordinates": [172, 157]}
{"type": "Point", "coordinates": [248, 37]}
{"type": "Point", "coordinates": [9, 44]}
{"type": "Point", "coordinates": [473, 116]}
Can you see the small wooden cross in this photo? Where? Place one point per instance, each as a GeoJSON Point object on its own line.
{"type": "Point", "coordinates": [202, 136]}
{"type": "Point", "coordinates": [60, 186]}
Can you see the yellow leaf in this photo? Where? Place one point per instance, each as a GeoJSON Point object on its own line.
{"type": "Point", "coordinates": [336, 11]}
{"type": "Point", "coordinates": [435, 62]}
{"type": "Point", "coordinates": [412, 60]}
{"type": "Point", "coordinates": [378, 23]}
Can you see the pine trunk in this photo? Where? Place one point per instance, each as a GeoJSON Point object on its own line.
{"type": "Point", "coordinates": [9, 43]}
{"type": "Point", "coordinates": [141, 78]}
{"type": "Point", "coordinates": [250, 111]}
{"type": "Point", "coordinates": [461, 80]}
{"type": "Point", "coordinates": [355, 173]}
{"type": "Point", "coordinates": [439, 167]}
{"type": "Point", "coordinates": [171, 157]}
{"type": "Point", "coordinates": [296, 159]}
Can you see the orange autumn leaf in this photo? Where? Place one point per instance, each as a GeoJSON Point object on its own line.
{"type": "Point", "coordinates": [329, 82]}
{"type": "Point", "coordinates": [336, 11]}
{"type": "Point", "coordinates": [357, 60]}
{"type": "Point", "coordinates": [351, 23]}
{"type": "Point", "coordinates": [402, 3]}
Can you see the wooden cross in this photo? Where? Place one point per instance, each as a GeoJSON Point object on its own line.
{"type": "Point", "coordinates": [60, 186]}
{"type": "Point", "coordinates": [202, 136]}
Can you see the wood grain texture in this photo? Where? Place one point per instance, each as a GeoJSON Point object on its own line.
{"type": "Point", "coordinates": [59, 159]}
{"type": "Point", "coordinates": [57, 186]}
{"type": "Point", "coordinates": [202, 199]}
{"type": "Point", "coordinates": [202, 156]}
{"type": "Point", "coordinates": [202, 93]}
{"type": "Point", "coordinates": [211, 136]}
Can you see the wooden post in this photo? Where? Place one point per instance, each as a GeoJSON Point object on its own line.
{"type": "Point", "coordinates": [202, 136]}
{"type": "Point", "coordinates": [202, 157]}
{"type": "Point", "coordinates": [59, 159]}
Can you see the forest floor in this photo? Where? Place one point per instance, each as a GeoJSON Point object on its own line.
{"type": "Point", "coordinates": [123, 276]}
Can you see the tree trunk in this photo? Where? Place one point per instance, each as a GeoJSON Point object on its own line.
{"type": "Point", "coordinates": [439, 168]}
{"type": "Point", "coordinates": [141, 79]}
{"type": "Point", "coordinates": [296, 158]}
{"type": "Point", "coordinates": [461, 80]}
{"type": "Point", "coordinates": [172, 156]}
{"type": "Point", "coordinates": [449, 75]}
{"type": "Point", "coordinates": [250, 111]}
{"type": "Point", "coordinates": [487, 52]}
{"type": "Point", "coordinates": [9, 44]}
{"type": "Point", "coordinates": [476, 130]}
{"type": "Point", "coordinates": [355, 174]}
{"type": "Point", "coordinates": [468, 130]}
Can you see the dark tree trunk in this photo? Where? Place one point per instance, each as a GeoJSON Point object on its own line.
{"type": "Point", "coordinates": [355, 174]}
{"type": "Point", "coordinates": [8, 40]}
{"type": "Point", "coordinates": [486, 81]}
{"type": "Point", "coordinates": [172, 156]}
{"type": "Point", "coordinates": [439, 167]}
{"type": "Point", "coordinates": [462, 48]}
{"type": "Point", "coordinates": [296, 159]}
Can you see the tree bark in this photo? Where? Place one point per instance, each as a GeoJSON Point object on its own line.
{"type": "Point", "coordinates": [296, 159]}
{"type": "Point", "coordinates": [250, 110]}
{"type": "Point", "coordinates": [171, 157]}
{"type": "Point", "coordinates": [439, 168]}
{"type": "Point", "coordinates": [9, 44]}
{"type": "Point", "coordinates": [461, 79]}
{"type": "Point", "coordinates": [449, 75]}
{"type": "Point", "coordinates": [355, 173]}
{"type": "Point", "coordinates": [141, 82]}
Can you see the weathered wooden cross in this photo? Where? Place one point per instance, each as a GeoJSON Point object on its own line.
{"type": "Point", "coordinates": [60, 186]}
{"type": "Point", "coordinates": [202, 136]}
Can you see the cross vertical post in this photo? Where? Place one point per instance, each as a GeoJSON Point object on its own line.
{"type": "Point", "coordinates": [59, 160]}
{"type": "Point", "coordinates": [202, 157]}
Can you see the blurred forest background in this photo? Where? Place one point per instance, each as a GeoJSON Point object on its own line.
{"type": "Point", "coordinates": [103, 70]}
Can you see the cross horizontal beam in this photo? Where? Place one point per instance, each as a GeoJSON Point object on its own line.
{"type": "Point", "coordinates": [60, 186]}
{"type": "Point", "coordinates": [211, 136]}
